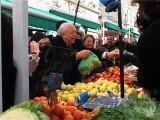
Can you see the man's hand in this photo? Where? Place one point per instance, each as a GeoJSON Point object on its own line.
{"type": "Point", "coordinates": [82, 54]}
{"type": "Point", "coordinates": [113, 54]}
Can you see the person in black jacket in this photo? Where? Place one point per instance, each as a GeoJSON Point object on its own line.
{"type": "Point", "coordinates": [142, 23]}
{"type": "Point", "coordinates": [66, 38]}
{"type": "Point", "coordinates": [8, 69]}
{"type": "Point", "coordinates": [148, 48]}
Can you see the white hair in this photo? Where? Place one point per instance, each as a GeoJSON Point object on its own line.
{"type": "Point", "coordinates": [64, 28]}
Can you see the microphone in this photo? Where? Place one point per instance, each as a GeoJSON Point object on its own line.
{"type": "Point", "coordinates": [111, 5]}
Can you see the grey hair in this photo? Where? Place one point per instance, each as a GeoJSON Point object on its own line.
{"type": "Point", "coordinates": [64, 28]}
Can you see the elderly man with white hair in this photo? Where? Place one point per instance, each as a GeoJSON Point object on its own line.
{"type": "Point", "coordinates": [67, 38]}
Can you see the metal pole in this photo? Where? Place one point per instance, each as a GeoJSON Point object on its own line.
{"type": "Point", "coordinates": [103, 33]}
{"type": "Point", "coordinates": [76, 12]}
{"type": "Point", "coordinates": [0, 67]}
{"type": "Point", "coordinates": [20, 49]}
{"type": "Point", "coordinates": [129, 34]}
{"type": "Point", "coordinates": [121, 51]}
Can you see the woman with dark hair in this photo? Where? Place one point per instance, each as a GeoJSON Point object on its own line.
{"type": "Point", "coordinates": [8, 69]}
{"type": "Point", "coordinates": [88, 41]}
{"type": "Point", "coordinates": [148, 48]}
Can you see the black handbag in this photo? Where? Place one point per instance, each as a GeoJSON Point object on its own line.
{"type": "Point", "coordinates": [57, 60]}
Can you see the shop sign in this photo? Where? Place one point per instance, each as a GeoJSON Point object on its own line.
{"type": "Point", "coordinates": [87, 8]}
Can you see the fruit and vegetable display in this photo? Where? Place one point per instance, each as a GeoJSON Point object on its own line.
{"type": "Point", "coordinates": [132, 109]}
{"type": "Point", "coordinates": [65, 111]}
{"type": "Point", "coordinates": [66, 102]}
{"type": "Point", "coordinates": [25, 111]}
{"type": "Point", "coordinates": [112, 74]}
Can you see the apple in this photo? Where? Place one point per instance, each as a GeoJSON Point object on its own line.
{"type": "Point", "coordinates": [109, 88]}
{"type": "Point", "coordinates": [90, 84]}
{"type": "Point", "coordinates": [63, 103]}
{"type": "Point", "coordinates": [77, 83]}
{"type": "Point", "coordinates": [102, 88]}
{"type": "Point", "coordinates": [70, 95]}
{"type": "Point", "coordinates": [105, 94]}
{"type": "Point", "coordinates": [114, 85]}
{"type": "Point", "coordinates": [69, 87]}
{"type": "Point", "coordinates": [64, 97]}
{"type": "Point", "coordinates": [99, 81]}
{"type": "Point", "coordinates": [59, 99]}
{"type": "Point", "coordinates": [75, 95]}
{"type": "Point", "coordinates": [66, 92]}
{"type": "Point", "coordinates": [97, 86]}
{"type": "Point", "coordinates": [75, 90]}
{"type": "Point", "coordinates": [93, 93]}
{"type": "Point", "coordinates": [115, 91]}
{"type": "Point", "coordinates": [105, 83]}
{"type": "Point", "coordinates": [89, 87]}
{"type": "Point", "coordinates": [70, 99]}
{"type": "Point", "coordinates": [83, 87]}
{"type": "Point", "coordinates": [63, 86]}
{"type": "Point", "coordinates": [129, 90]}
{"type": "Point", "coordinates": [59, 94]}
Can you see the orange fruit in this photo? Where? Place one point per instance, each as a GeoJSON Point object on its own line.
{"type": "Point", "coordinates": [96, 110]}
{"type": "Point", "coordinates": [37, 99]}
{"type": "Point", "coordinates": [89, 116]}
{"type": "Point", "coordinates": [78, 115]}
{"type": "Point", "coordinates": [69, 117]}
{"type": "Point", "coordinates": [58, 110]}
{"type": "Point", "coordinates": [44, 102]}
{"type": "Point", "coordinates": [55, 117]}
{"type": "Point", "coordinates": [43, 98]}
{"type": "Point", "coordinates": [79, 107]}
{"type": "Point", "coordinates": [65, 113]}
{"type": "Point", "coordinates": [71, 109]}
{"type": "Point", "coordinates": [47, 110]}
{"type": "Point", "coordinates": [70, 103]}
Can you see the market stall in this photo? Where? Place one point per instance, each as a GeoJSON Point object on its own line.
{"type": "Point", "coordinates": [104, 95]}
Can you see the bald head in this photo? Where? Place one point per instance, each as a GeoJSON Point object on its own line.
{"type": "Point", "coordinates": [68, 32]}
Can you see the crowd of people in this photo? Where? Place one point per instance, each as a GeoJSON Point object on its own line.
{"type": "Point", "coordinates": [67, 38]}
{"type": "Point", "coordinates": [145, 53]}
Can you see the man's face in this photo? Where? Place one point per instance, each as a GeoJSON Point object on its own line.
{"type": "Point", "coordinates": [70, 35]}
{"type": "Point", "coordinates": [110, 40]}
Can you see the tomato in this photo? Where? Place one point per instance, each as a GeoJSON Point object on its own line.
{"type": "Point", "coordinates": [71, 108]}
{"type": "Point", "coordinates": [77, 115]}
{"type": "Point", "coordinates": [47, 110]}
{"type": "Point", "coordinates": [114, 76]}
{"type": "Point", "coordinates": [69, 117]}
{"type": "Point", "coordinates": [37, 99]}
{"type": "Point", "coordinates": [79, 107]}
{"type": "Point", "coordinates": [70, 103]}
{"type": "Point", "coordinates": [58, 110]}
{"type": "Point", "coordinates": [65, 113]}
{"type": "Point", "coordinates": [44, 102]}
{"type": "Point", "coordinates": [55, 117]}
{"type": "Point", "coordinates": [89, 116]}
{"type": "Point", "coordinates": [43, 98]}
